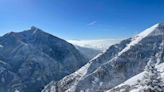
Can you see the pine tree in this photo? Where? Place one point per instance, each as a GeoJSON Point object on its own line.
{"type": "Point", "coordinates": [151, 81]}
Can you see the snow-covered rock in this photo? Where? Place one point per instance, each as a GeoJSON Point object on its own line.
{"type": "Point", "coordinates": [32, 58]}
{"type": "Point", "coordinates": [119, 63]}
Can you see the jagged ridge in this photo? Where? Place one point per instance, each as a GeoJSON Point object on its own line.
{"type": "Point", "coordinates": [117, 64]}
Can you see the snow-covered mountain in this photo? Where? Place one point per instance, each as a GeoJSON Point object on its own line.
{"type": "Point", "coordinates": [119, 63]}
{"type": "Point", "coordinates": [32, 58]}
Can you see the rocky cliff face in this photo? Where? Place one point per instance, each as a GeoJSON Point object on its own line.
{"type": "Point", "coordinates": [117, 64]}
{"type": "Point", "coordinates": [32, 58]}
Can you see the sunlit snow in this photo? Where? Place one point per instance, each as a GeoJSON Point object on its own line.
{"type": "Point", "coordinates": [138, 38]}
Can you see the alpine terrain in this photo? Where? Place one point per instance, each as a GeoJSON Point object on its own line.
{"type": "Point", "coordinates": [32, 58]}
{"type": "Point", "coordinates": [116, 65]}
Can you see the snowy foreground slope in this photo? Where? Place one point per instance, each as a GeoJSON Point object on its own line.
{"type": "Point", "coordinates": [119, 63]}
{"type": "Point", "coordinates": [32, 58]}
{"type": "Point", "coordinates": [131, 83]}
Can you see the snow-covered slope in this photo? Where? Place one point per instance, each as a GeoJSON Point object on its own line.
{"type": "Point", "coordinates": [134, 80]}
{"type": "Point", "coordinates": [138, 38]}
{"type": "Point", "coordinates": [116, 65]}
{"type": "Point", "coordinates": [32, 58]}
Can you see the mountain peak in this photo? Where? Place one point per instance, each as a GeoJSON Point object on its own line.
{"type": "Point", "coordinates": [34, 29]}
{"type": "Point", "coordinates": [148, 32]}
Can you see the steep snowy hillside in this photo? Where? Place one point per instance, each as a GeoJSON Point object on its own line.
{"type": "Point", "coordinates": [32, 58]}
{"type": "Point", "coordinates": [119, 63]}
{"type": "Point", "coordinates": [132, 82]}
{"type": "Point", "coordinates": [101, 44]}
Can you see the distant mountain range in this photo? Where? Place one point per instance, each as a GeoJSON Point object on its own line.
{"type": "Point", "coordinates": [32, 58]}
{"type": "Point", "coordinates": [116, 65]}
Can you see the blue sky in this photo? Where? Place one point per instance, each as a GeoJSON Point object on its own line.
{"type": "Point", "coordinates": [81, 19]}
